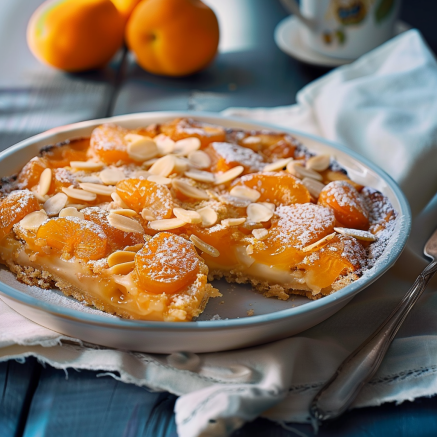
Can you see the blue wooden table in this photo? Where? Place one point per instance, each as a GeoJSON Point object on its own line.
{"type": "Point", "coordinates": [38, 400]}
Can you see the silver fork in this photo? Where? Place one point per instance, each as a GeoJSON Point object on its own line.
{"type": "Point", "coordinates": [339, 392]}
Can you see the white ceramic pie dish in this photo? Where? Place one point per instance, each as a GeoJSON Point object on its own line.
{"type": "Point", "coordinates": [225, 324]}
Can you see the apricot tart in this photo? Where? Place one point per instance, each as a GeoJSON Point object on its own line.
{"type": "Point", "coordinates": [136, 222]}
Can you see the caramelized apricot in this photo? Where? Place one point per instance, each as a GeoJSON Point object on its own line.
{"type": "Point", "coordinates": [73, 236]}
{"type": "Point", "coordinates": [166, 264]}
{"type": "Point", "coordinates": [60, 155]}
{"type": "Point", "coordinates": [278, 188]}
{"type": "Point", "coordinates": [139, 194]}
{"type": "Point", "coordinates": [117, 239]}
{"type": "Point", "coordinates": [14, 207]}
{"type": "Point", "coordinates": [293, 228]}
{"type": "Point", "coordinates": [31, 172]}
{"type": "Point", "coordinates": [183, 128]}
{"type": "Point", "coordinates": [109, 145]}
{"type": "Point", "coordinates": [348, 206]}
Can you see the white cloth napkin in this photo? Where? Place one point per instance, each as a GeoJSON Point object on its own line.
{"type": "Point", "coordinates": [385, 107]}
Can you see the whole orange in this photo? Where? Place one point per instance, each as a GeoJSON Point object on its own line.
{"type": "Point", "coordinates": [75, 35]}
{"type": "Point", "coordinates": [173, 37]}
{"type": "Point", "coordinates": [125, 7]}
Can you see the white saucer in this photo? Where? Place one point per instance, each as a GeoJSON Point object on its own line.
{"type": "Point", "coordinates": [289, 39]}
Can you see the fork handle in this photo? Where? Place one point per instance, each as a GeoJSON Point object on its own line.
{"type": "Point", "coordinates": [339, 392]}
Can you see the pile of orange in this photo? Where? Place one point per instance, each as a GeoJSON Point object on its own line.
{"type": "Point", "coordinates": [168, 37]}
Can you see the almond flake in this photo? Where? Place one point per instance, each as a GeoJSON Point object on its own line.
{"type": "Point", "coordinates": [45, 181]}
{"type": "Point", "coordinates": [134, 248]}
{"type": "Point", "coordinates": [142, 150]}
{"type": "Point", "coordinates": [100, 189]}
{"type": "Point", "coordinates": [249, 249]}
{"type": "Point", "coordinates": [147, 214]}
{"type": "Point", "coordinates": [233, 222]}
{"type": "Point", "coordinates": [74, 193]}
{"type": "Point", "coordinates": [159, 179]}
{"type": "Point", "coordinates": [118, 200]}
{"type": "Point", "coordinates": [166, 224]}
{"type": "Point", "coordinates": [199, 159]}
{"type": "Point", "coordinates": [150, 162]}
{"type": "Point", "coordinates": [187, 216]}
{"type": "Point", "coordinates": [277, 165]}
{"type": "Point", "coordinates": [296, 169]}
{"type": "Point", "coordinates": [130, 138]}
{"type": "Point", "coordinates": [208, 215]}
{"type": "Point", "coordinates": [78, 206]}
{"type": "Point", "coordinates": [229, 175]}
{"type": "Point", "coordinates": [189, 191]}
{"type": "Point", "coordinates": [314, 187]}
{"type": "Point", "coordinates": [204, 247]}
{"type": "Point", "coordinates": [86, 165]}
{"type": "Point", "coordinates": [37, 195]}
{"type": "Point", "coordinates": [70, 211]}
{"type": "Point", "coordinates": [110, 176]}
{"type": "Point", "coordinates": [163, 166]}
{"type": "Point", "coordinates": [33, 220]}
{"type": "Point", "coordinates": [120, 257]}
{"type": "Point", "coordinates": [53, 205]}
{"type": "Point", "coordinates": [200, 176]}
{"type": "Point", "coordinates": [187, 145]}
{"type": "Point", "coordinates": [319, 244]}
{"type": "Point", "coordinates": [245, 193]}
{"type": "Point", "coordinates": [181, 165]}
{"type": "Point", "coordinates": [122, 269]}
{"type": "Point", "coordinates": [268, 205]}
{"type": "Point", "coordinates": [319, 162]}
{"type": "Point", "coordinates": [164, 143]}
{"type": "Point", "coordinates": [356, 233]}
{"type": "Point", "coordinates": [260, 234]}
{"type": "Point", "coordinates": [124, 224]}
{"type": "Point", "coordinates": [125, 212]}
{"type": "Point", "coordinates": [257, 213]}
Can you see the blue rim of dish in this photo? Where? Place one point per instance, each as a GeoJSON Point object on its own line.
{"type": "Point", "coordinates": [119, 323]}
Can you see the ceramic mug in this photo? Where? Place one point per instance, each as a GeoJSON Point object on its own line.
{"type": "Point", "coordinates": [345, 29]}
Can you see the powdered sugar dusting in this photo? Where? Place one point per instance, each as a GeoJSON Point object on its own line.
{"type": "Point", "coordinates": [244, 156]}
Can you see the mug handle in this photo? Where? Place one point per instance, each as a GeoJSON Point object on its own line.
{"type": "Point", "coordinates": [293, 7]}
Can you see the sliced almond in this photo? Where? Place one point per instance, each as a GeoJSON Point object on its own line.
{"type": "Point", "coordinates": [134, 248]}
{"type": "Point", "coordinates": [296, 169]}
{"type": "Point", "coordinates": [249, 249]}
{"type": "Point", "coordinates": [314, 187]}
{"type": "Point", "coordinates": [163, 166]}
{"type": "Point", "coordinates": [233, 222]}
{"type": "Point", "coordinates": [165, 144]}
{"type": "Point", "coordinates": [268, 205]}
{"type": "Point", "coordinates": [319, 162]}
{"type": "Point", "coordinates": [33, 220]}
{"type": "Point", "coordinates": [53, 205]}
{"type": "Point", "coordinates": [147, 214]}
{"type": "Point", "coordinates": [181, 165]}
{"type": "Point", "coordinates": [78, 206]}
{"type": "Point", "coordinates": [122, 269]}
{"type": "Point", "coordinates": [159, 179]}
{"type": "Point", "coordinates": [130, 138]}
{"type": "Point", "coordinates": [260, 234]}
{"type": "Point", "coordinates": [200, 176]}
{"type": "Point", "coordinates": [74, 193]}
{"type": "Point", "coordinates": [70, 211]}
{"type": "Point", "coordinates": [86, 165]}
{"type": "Point", "coordinates": [142, 150]}
{"type": "Point", "coordinates": [125, 212]}
{"type": "Point", "coordinates": [228, 176]}
{"type": "Point", "coordinates": [319, 244]}
{"type": "Point", "coordinates": [166, 224]}
{"type": "Point", "coordinates": [110, 176]}
{"type": "Point", "coordinates": [42, 199]}
{"type": "Point", "coordinates": [189, 191]}
{"type": "Point", "coordinates": [102, 190]}
{"type": "Point", "coordinates": [125, 224]}
{"type": "Point", "coordinates": [245, 193]}
{"type": "Point", "coordinates": [277, 165]}
{"type": "Point", "coordinates": [199, 159]}
{"type": "Point", "coordinates": [120, 257]}
{"type": "Point", "coordinates": [187, 145]}
{"type": "Point", "coordinates": [118, 200]}
{"type": "Point", "coordinates": [45, 181]}
{"type": "Point", "coordinates": [356, 233]}
{"type": "Point", "coordinates": [257, 213]}
{"type": "Point", "coordinates": [150, 162]}
{"type": "Point", "coordinates": [187, 216]}
{"type": "Point", "coordinates": [204, 247]}
{"type": "Point", "coordinates": [208, 215]}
